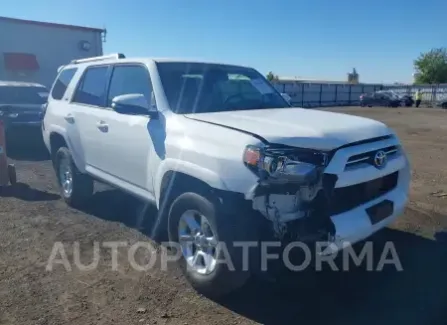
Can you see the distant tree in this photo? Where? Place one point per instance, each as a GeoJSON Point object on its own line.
{"type": "Point", "coordinates": [271, 76]}
{"type": "Point", "coordinates": [431, 67]}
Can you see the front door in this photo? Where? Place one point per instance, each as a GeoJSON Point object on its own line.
{"type": "Point", "coordinates": [128, 142]}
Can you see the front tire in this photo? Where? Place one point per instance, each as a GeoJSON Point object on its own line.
{"type": "Point", "coordinates": [76, 188]}
{"type": "Point", "coordinates": [206, 236]}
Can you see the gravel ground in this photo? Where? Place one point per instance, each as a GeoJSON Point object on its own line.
{"type": "Point", "coordinates": [33, 218]}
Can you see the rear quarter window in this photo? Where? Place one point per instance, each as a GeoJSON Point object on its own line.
{"type": "Point", "coordinates": [62, 82]}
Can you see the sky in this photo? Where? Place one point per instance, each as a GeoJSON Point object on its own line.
{"type": "Point", "coordinates": [313, 39]}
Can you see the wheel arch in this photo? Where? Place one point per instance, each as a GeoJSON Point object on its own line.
{"type": "Point", "coordinates": [175, 170]}
{"type": "Point", "coordinates": [173, 183]}
{"type": "Point", "coordinates": [59, 139]}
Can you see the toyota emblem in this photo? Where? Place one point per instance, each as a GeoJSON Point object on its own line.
{"type": "Point", "coordinates": [380, 159]}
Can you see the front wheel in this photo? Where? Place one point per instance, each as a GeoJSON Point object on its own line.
{"type": "Point", "coordinates": [76, 188]}
{"type": "Point", "coordinates": [205, 236]}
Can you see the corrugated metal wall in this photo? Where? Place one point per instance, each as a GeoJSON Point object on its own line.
{"type": "Point", "coordinates": [53, 47]}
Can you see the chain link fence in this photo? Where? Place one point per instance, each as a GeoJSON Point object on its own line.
{"type": "Point", "coordinates": [306, 94]}
{"type": "Point", "coordinates": [431, 94]}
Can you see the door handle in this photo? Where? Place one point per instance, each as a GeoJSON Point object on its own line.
{"type": "Point", "coordinates": [103, 126]}
{"type": "Point", "coordinates": [69, 118]}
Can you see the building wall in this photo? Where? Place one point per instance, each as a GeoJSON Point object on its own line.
{"type": "Point", "coordinates": [53, 47]}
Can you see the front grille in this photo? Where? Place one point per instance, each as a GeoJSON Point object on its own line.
{"type": "Point", "coordinates": [349, 197]}
{"type": "Point", "coordinates": [368, 157]}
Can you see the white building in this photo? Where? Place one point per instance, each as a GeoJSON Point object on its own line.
{"type": "Point", "coordinates": [32, 51]}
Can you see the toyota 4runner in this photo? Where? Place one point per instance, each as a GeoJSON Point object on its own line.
{"type": "Point", "coordinates": [223, 156]}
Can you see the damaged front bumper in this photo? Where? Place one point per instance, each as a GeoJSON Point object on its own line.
{"type": "Point", "coordinates": [333, 208]}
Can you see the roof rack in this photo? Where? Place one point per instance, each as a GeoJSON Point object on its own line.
{"type": "Point", "coordinates": [100, 58]}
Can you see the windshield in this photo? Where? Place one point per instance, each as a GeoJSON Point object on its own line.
{"type": "Point", "coordinates": [202, 88]}
{"type": "Point", "coordinates": [23, 95]}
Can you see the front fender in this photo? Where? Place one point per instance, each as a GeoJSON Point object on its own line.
{"type": "Point", "coordinates": [203, 174]}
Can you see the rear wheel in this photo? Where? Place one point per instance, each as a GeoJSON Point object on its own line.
{"type": "Point", "coordinates": [76, 188]}
{"type": "Point", "coordinates": [12, 174]}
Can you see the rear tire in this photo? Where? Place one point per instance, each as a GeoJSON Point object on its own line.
{"type": "Point", "coordinates": [12, 174]}
{"type": "Point", "coordinates": [76, 188]}
{"type": "Point", "coordinates": [220, 278]}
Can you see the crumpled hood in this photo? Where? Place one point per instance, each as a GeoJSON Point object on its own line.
{"type": "Point", "coordinates": [298, 127]}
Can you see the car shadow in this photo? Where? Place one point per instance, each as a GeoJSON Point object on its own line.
{"type": "Point", "coordinates": [28, 153]}
{"type": "Point", "coordinates": [29, 147]}
{"type": "Point", "coordinates": [441, 236]}
{"type": "Point", "coordinates": [117, 206]}
{"type": "Point", "coordinates": [415, 295]}
{"type": "Point", "coordinates": [26, 193]}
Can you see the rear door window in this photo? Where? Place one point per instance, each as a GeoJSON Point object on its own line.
{"type": "Point", "coordinates": [92, 87]}
{"type": "Point", "coordinates": [62, 82]}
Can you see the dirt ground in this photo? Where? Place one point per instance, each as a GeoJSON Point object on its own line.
{"type": "Point", "coordinates": [33, 218]}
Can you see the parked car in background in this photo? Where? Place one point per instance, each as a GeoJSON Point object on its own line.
{"type": "Point", "coordinates": [385, 98]}
{"type": "Point", "coordinates": [442, 103]}
{"type": "Point", "coordinates": [406, 100]}
{"type": "Point", "coordinates": [22, 104]}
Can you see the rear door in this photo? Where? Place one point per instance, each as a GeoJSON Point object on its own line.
{"type": "Point", "coordinates": [56, 111]}
{"type": "Point", "coordinates": [88, 110]}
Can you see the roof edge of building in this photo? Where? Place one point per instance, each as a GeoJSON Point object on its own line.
{"type": "Point", "coordinates": [48, 24]}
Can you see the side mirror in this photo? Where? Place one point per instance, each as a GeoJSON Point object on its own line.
{"type": "Point", "coordinates": [287, 98]}
{"type": "Point", "coordinates": [132, 104]}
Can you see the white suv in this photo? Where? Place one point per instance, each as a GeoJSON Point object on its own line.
{"type": "Point", "coordinates": [223, 157]}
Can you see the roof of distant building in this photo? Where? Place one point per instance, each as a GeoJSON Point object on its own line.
{"type": "Point", "coordinates": [47, 24]}
{"type": "Point", "coordinates": [302, 80]}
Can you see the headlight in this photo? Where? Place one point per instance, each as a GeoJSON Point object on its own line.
{"type": "Point", "coordinates": [285, 163]}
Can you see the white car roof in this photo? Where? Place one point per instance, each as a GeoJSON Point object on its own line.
{"type": "Point", "coordinates": [5, 83]}
{"type": "Point", "coordinates": [144, 59]}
